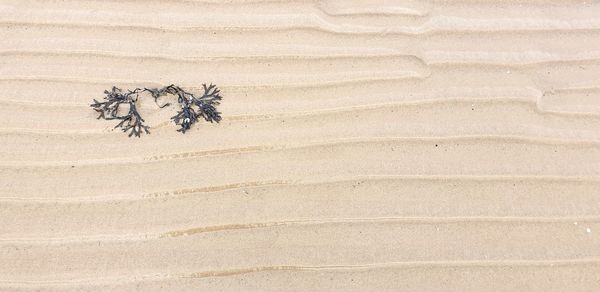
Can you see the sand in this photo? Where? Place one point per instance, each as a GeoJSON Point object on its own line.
{"type": "Point", "coordinates": [365, 146]}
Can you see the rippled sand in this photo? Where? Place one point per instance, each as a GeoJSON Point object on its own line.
{"type": "Point", "coordinates": [365, 146]}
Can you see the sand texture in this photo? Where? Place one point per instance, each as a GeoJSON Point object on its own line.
{"type": "Point", "coordinates": [366, 145]}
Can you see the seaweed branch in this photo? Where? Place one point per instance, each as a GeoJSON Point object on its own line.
{"type": "Point", "coordinates": [192, 107]}
{"type": "Point", "coordinates": [109, 110]}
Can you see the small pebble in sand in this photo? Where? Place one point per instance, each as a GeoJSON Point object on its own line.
{"type": "Point", "coordinates": [575, 223]}
{"type": "Point", "coordinates": [589, 230]}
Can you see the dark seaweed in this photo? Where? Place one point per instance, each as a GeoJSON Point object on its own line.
{"type": "Point", "coordinates": [192, 107]}
{"type": "Point", "coordinates": [109, 109]}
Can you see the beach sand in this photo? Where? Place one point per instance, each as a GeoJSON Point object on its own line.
{"type": "Point", "coordinates": [366, 145]}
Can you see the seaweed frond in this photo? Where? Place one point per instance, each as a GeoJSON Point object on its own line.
{"type": "Point", "coordinates": [133, 122]}
{"type": "Point", "coordinates": [192, 107]}
{"type": "Point", "coordinates": [109, 109]}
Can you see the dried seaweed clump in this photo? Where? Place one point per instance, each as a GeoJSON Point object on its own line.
{"type": "Point", "coordinates": [110, 109]}
{"type": "Point", "coordinates": [191, 107]}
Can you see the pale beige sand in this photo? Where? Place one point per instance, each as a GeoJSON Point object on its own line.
{"type": "Point", "coordinates": [366, 145]}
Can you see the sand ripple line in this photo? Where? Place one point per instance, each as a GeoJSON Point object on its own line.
{"type": "Point", "coordinates": [280, 183]}
{"type": "Point", "coordinates": [392, 265]}
{"type": "Point", "coordinates": [238, 87]}
{"type": "Point", "coordinates": [404, 220]}
{"type": "Point", "coordinates": [507, 59]}
{"type": "Point", "coordinates": [288, 147]}
{"type": "Point", "coordinates": [153, 195]}
{"type": "Point", "coordinates": [436, 24]}
{"type": "Point", "coordinates": [162, 276]}
{"type": "Point", "coordinates": [197, 59]}
{"type": "Point", "coordinates": [335, 81]}
{"type": "Point", "coordinates": [131, 237]}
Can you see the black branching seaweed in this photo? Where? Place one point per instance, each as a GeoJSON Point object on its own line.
{"type": "Point", "coordinates": [192, 107]}
{"type": "Point", "coordinates": [109, 109]}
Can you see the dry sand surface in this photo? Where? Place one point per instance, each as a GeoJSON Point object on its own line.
{"type": "Point", "coordinates": [366, 145]}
